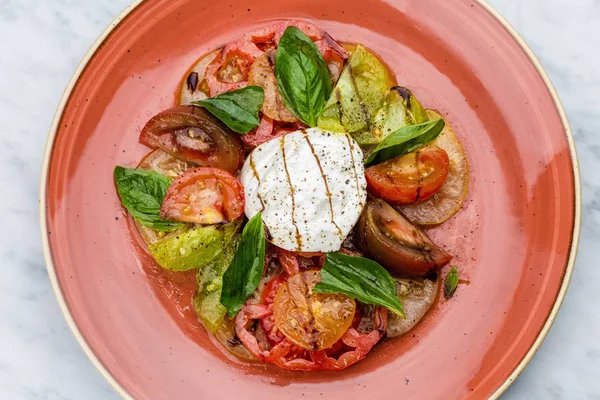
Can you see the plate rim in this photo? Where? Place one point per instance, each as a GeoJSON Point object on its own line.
{"type": "Point", "coordinates": [575, 237]}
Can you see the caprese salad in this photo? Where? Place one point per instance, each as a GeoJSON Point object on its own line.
{"type": "Point", "coordinates": [295, 176]}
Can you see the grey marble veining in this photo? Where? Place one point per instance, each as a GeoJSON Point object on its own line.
{"type": "Point", "coordinates": [41, 43]}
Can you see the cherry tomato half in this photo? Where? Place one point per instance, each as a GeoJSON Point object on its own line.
{"type": "Point", "coordinates": [411, 178]}
{"type": "Point", "coordinates": [193, 134]}
{"type": "Point", "coordinates": [204, 196]}
{"type": "Point", "coordinates": [313, 321]}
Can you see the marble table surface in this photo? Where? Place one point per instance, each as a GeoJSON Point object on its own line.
{"type": "Point", "coordinates": [41, 43]}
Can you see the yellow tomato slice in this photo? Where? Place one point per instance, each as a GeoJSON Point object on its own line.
{"type": "Point", "coordinates": [313, 321]}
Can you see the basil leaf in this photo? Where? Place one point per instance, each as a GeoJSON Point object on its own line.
{"type": "Point", "coordinates": [142, 193]}
{"type": "Point", "coordinates": [404, 140]}
{"type": "Point", "coordinates": [359, 278]}
{"type": "Point", "coordinates": [237, 109]}
{"type": "Point", "coordinates": [243, 275]}
{"type": "Point", "coordinates": [451, 283]}
{"type": "Point", "coordinates": [302, 75]}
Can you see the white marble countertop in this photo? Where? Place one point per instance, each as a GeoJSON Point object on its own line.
{"type": "Point", "coordinates": [41, 43]}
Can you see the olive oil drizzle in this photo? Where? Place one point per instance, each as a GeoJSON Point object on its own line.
{"type": "Point", "coordinates": [289, 179]}
{"type": "Point", "coordinates": [327, 191]}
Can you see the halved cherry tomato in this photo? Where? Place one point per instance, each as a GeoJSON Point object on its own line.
{"type": "Point", "coordinates": [395, 243]}
{"type": "Point", "coordinates": [204, 196]}
{"type": "Point", "coordinates": [411, 178]}
{"type": "Point", "coordinates": [193, 134]}
{"type": "Point", "coordinates": [311, 320]}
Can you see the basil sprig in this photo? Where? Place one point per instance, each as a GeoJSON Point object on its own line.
{"type": "Point", "coordinates": [243, 275]}
{"type": "Point", "coordinates": [404, 140]}
{"type": "Point", "coordinates": [302, 75]}
{"type": "Point", "coordinates": [359, 278]}
{"type": "Point", "coordinates": [237, 109]}
{"type": "Point", "coordinates": [451, 283]}
{"type": "Point", "coordinates": [142, 193]}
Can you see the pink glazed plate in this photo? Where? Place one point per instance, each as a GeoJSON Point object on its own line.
{"type": "Point", "coordinates": [460, 57]}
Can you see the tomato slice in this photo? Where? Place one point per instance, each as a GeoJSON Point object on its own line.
{"type": "Point", "coordinates": [229, 70]}
{"type": "Point", "coordinates": [411, 178]}
{"type": "Point", "coordinates": [398, 245]}
{"type": "Point", "coordinates": [268, 324]}
{"type": "Point", "coordinates": [193, 134]}
{"type": "Point", "coordinates": [313, 321]}
{"type": "Point", "coordinates": [352, 347]}
{"type": "Point", "coordinates": [262, 73]}
{"type": "Point", "coordinates": [244, 320]}
{"type": "Point", "coordinates": [449, 199]}
{"type": "Point", "coordinates": [204, 196]}
{"type": "Point", "coordinates": [269, 129]}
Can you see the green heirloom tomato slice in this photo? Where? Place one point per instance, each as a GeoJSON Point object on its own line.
{"type": "Point", "coordinates": [194, 248]}
{"type": "Point", "coordinates": [401, 108]}
{"type": "Point", "coordinates": [207, 301]}
{"type": "Point", "coordinates": [359, 94]}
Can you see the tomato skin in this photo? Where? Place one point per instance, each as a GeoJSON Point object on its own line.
{"type": "Point", "coordinates": [411, 178]}
{"type": "Point", "coordinates": [398, 245]}
{"type": "Point", "coordinates": [204, 196]}
{"type": "Point", "coordinates": [193, 134]}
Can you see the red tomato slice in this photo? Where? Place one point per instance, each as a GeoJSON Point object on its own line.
{"type": "Point", "coordinates": [229, 70]}
{"type": "Point", "coordinates": [411, 178]}
{"type": "Point", "coordinates": [204, 196]}
{"type": "Point", "coordinates": [193, 134]}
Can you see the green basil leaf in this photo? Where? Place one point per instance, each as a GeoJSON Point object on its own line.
{"type": "Point", "coordinates": [404, 140]}
{"type": "Point", "coordinates": [302, 75]}
{"type": "Point", "coordinates": [142, 193]}
{"type": "Point", "coordinates": [194, 248]}
{"type": "Point", "coordinates": [243, 275]}
{"type": "Point", "coordinates": [207, 300]}
{"type": "Point", "coordinates": [237, 109]}
{"type": "Point", "coordinates": [359, 278]}
{"type": "Point", "coordinates": [451, 283]}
